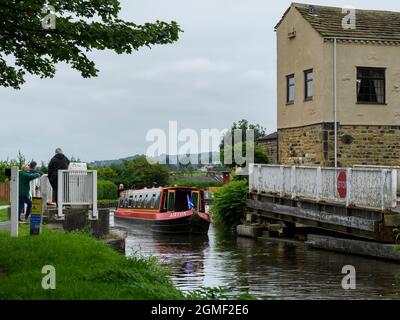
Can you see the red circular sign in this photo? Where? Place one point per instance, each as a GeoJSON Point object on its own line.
{"type": "Point", "coordinates": [342, 184]}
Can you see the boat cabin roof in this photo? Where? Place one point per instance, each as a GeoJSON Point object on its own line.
{"type": "Point", "coordinates": [156, 190]}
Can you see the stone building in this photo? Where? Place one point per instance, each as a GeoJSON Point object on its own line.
{"type": "Point", "coordinates": [270, 144]}
{"type": "Point", "coordinates": [331, 69]}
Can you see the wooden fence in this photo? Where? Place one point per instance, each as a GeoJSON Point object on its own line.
{"type": "Point", "coordinates": [4, 191]}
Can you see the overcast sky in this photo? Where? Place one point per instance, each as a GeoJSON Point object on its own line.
{"type": "Point", "coordinates": [221, 70]}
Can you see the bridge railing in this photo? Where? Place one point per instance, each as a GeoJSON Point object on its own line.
{"type": "Point", "coordinates": [359, 187]}
{"type": "Point", "coordinates": [77, 188]}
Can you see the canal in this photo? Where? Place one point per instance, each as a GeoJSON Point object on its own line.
{"type": "Point", "coordinates": [264, 269]}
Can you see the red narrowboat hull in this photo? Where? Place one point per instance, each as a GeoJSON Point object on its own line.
{"type": "Point", "coordinates": [168, 222]}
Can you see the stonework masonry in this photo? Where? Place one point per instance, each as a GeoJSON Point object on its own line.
{"type": "Point", "coordinates": [357, 144]}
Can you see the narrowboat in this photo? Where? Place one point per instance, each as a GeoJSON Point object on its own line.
{"type": "Point", "coordinates": [166, 210]}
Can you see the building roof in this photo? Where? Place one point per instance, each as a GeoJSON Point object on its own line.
{"type": "Point", "coordinates": [272, 136]}
{"type": "Point", "coordinates": [370, 24]}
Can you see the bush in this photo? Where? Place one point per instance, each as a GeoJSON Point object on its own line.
{"type": "Point", "coordinates": [229, 203]}
{"type": "Point", "coordinates": [106, 190]}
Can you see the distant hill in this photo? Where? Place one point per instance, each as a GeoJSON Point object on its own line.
{"type": "Point", "coordinates": [105, 163]}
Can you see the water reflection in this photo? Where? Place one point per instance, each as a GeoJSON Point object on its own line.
{"type": "Point", "coordinates": [282, 270]}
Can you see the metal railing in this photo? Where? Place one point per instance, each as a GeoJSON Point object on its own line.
{"type": "Point", "coordinates": [77, 188]}
{"type": "Point", "coordinates": [358, 187]}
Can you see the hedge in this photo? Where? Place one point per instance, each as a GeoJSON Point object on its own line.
{"type": "Point", "coordinates": [106, 190]}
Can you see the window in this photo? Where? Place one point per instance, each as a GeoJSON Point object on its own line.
{"type": "Point", "coordinates": [308, 84]}
{"type": "Point", "coordinates": [371, 86]}
{"type": "Point", "coordinates": [171, 200]}
{"type": "Point", "coordinates": [290, 89]}
{"type": "Point", "coordinates": [165, 200]}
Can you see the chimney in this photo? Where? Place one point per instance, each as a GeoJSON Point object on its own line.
{"type": "Point", "coordinates": [311, 9]}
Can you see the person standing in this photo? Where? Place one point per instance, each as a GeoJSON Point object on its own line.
{"type": "Point", "coordinates": [58, 162]}
{"type": "Point", "coordinates": [25, 177]}
{"type": "Point", "coordinates": [121, 189]}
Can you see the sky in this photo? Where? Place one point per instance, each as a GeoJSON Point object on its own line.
{"type": "Point", "coordinates": [223, 69]}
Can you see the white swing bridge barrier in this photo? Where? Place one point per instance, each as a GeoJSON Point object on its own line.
{"type": "Point", "coordinates": [76, 189]}
{"type": "Point", "coordinates": [373, 188]}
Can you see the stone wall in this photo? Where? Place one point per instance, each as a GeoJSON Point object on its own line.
{"type": "Point", "coordinates": [369, 145]}
{"type": "Point", "coordinates": [309, 145]}
{"type": "Point", "coordinates": [314, 145]}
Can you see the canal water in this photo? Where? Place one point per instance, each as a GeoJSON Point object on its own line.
{"type": "Point", "coordinates": [264, 269]}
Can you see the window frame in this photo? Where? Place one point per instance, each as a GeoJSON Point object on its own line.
{"type": "Point", "coordinates": [308, 97]}
{"type": "Point", "coordinates": [288, 86]}
{"type": "Point", "coordinates": [358, 68]}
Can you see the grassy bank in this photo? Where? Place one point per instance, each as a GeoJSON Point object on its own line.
{"type": "Point", "coordinates": [85, 269]}
{"type": "Point", "coordinates": [3, 215]}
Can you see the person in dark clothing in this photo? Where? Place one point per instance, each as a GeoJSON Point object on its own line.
{"type": "Point", "coordinates": [58, 162]}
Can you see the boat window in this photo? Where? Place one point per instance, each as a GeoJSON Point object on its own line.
{"type": "Point", "coordinates": [165, 200]}
{"type": "Point", "coordinates": [152, 201]}
{"type": "Point", "coordinates": [171, 200]}
{"type": "Point", "coordinates": [134, 201]}
{"type": "Point", "coordinates": [195, 200]}
{"type": "Point", "coordinates": [157, 199]}
{"type": "Point", "coordinates": [146, 201]}
{"type": "Point", "coordinates": [140, 201]}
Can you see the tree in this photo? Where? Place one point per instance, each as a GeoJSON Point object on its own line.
{"type": "Point", "coordinates": [259, 131]}
{"type": "Point", "coordinates": [260, 155]}
{"type": "Point", "coordinates": [80, 27]}
{"type": "Point", "coordinates": [107, 173]}
{"type": "Point", "coordinates": [139, 173]}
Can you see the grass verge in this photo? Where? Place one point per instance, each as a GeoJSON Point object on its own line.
{"type": "Point", "coordinates": [3, 215]}
{"type": "Point", "coordinates": [85, 269]}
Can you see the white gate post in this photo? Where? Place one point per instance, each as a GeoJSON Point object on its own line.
{"type": "Point", "coordinates": [14, 185]}
{"type": "Point", "coordinates": [60, 195]}
{"type": "Point", "coordinates": [95, 213]}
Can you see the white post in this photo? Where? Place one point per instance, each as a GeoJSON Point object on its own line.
{"type": "Point", "coordinates": [394, 188]}
{"type": "Point", "coordinates": [383, 178]}
{"type": "Point", "coordinates": [293, 182]}
{"type": "Point", "coordinates": [95, 214]}
{"type": "Point", "coordinates": [60, 194]}
{"type": "Point", "coordinates": [319, 183]}
{"type": "Point", "coordinates": [282, 181]}
{"type": "Point", "coordinates": [348, 187]}
{"type": "Point", "coordinates": [14, 185]}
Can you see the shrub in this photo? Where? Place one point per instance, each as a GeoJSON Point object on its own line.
{"type": "Point", "coordinates": [106, 190]}
{"type": "Point", "coordinates": [229, 203]}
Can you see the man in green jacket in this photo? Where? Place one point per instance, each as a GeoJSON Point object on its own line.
{"type": "Point", "coordinates": [24, 191]}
